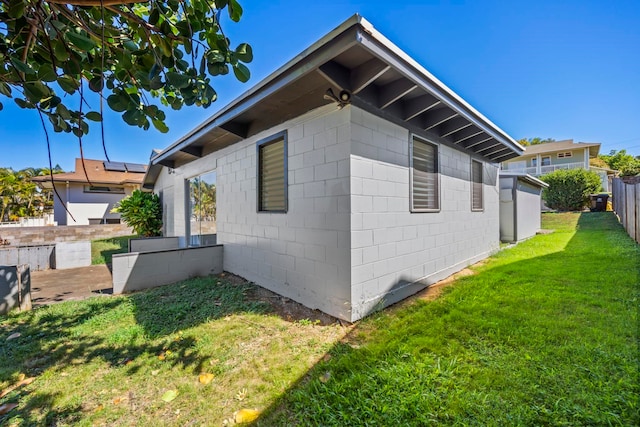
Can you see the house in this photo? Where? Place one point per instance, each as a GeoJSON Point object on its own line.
{"type": "Point", "coordinates": [89, 197]}
{"type": "Point", "coordinates": [544, 158]}
{"type": "Point", "coordinates": [347, 180]}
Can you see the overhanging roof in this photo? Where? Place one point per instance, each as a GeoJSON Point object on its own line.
{"type": "Point", "coordinates": [381, 79]}
{"type": "Point", "coordinates": [524, 177]}
{"type": "Point", "coordinates": [566, 145]}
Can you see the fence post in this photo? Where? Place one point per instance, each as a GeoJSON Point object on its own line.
{"type": "Point", "coordinates": [637, 200]}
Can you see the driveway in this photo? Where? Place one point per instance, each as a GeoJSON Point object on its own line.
{"type": "Point", "coordinates": [51, 286]}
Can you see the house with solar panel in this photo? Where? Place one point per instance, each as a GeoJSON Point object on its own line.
{"type": "Point", "coordinates": [347, 180]}
{"type": "Point", "coordinates": [91, 191]}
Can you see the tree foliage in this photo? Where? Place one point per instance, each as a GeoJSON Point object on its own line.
{"type": "Point", "coordinates": [569, 189]}
{"type": "Point", "coordinates": [534, 141]}
{"type": "Point", "coordinates": [623, 162]}
{"type": "Point", "coordinates": [141, 211]}
{"type": "Point", "coordinates": [20, 197]}
{"type": "Point", "coordinates": [128, 53]}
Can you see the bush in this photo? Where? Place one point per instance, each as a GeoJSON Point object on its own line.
{"type": "Point", "coordinates": [569, 190]}
{"type": "Point", "coordinates": [143, 212]}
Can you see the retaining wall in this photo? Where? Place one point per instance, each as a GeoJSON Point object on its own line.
{"type": "Point", "coordinates": [142, 270]}
{"type": "Point", "coordinates": [38, 257]}
{"type": "Point", "coordinates": [22, 236]}
{"type": "Point", "coordinates": [149, 244]}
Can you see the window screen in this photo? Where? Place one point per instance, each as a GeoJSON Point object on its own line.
{"type": "Point", "coordinates": [424, 179]}
{"type": "Point", "coordinates": [272, 174]}
{"type": "Point", "coordinates": [476, 186]}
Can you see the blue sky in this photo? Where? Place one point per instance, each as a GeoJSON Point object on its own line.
{"type": "Point", "coordinates": [557, 69]}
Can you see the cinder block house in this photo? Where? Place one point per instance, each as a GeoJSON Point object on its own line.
{"type": "Point", "coordinates": [347, 180]}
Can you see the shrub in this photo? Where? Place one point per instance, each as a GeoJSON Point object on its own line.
{"type": "Point", "coordinates": [569, 190]}
{"type": "Point", "coordinates": [143, 212]}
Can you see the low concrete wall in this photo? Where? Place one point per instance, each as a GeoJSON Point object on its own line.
{"type": "Point", "coordinates": [15, 288]}
{"type": "Point", "coordinates": [73, 255]}
{"type": "Point", "coordinates": [21, 236]}
{"type": "Point", "coordinates": [142, 270]}
{"type": "Point", "coordinates": [38, 257]}
{"type": "Point", "coordinates": [150, 244]}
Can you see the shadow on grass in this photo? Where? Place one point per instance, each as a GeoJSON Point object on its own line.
{"type": "Point", "coordinates": [544, 341]}
{"type": "Point", "coordinates": [55, 337]}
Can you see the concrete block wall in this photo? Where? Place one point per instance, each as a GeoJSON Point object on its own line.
{"type": "Point", "coordinates": [303, 254]}
{"type": "Point", "coordinates": [73, 254]}
{"type": "Point", "coordinates": [22, 236]}
{"type": "Point", "coordinates": [150, 244]}
{"type": "Point", "coordinates": [392, 248]}
{"type": "Point", "coordinates": [142, 270]}
{"type": "Point", "coordinates": [15, 288]}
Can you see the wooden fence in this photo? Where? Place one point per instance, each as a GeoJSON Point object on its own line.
{"type": "Point", "coordinates": [626, 204]}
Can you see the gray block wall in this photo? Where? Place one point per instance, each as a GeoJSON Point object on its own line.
{"type": "Point", "coordinates": [15, 288]}
{"type": "Point", "coordinates": [394, 252]}
{"type": "Point", "coordinates": [142, 270]}
{"type": "Point", "coordinates": [153, 244]}
{"type": "Point", "coordinates": [73, 255]}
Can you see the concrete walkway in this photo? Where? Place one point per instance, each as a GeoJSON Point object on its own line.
{"type": "Point", "coordinates": [51, 286]}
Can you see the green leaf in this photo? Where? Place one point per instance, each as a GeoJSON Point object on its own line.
{"type": "Point", "coordinates": [5, 89]}
{"type": "Point", "coordinates": [242, 72]}
{"type": "Point", "coordinates": [21, 66]}
{"type": "Point", "coordinates": [178, 80]}
{"type": "Point", "coordinates": [133, 117]}
{"type": "Point", "coordinates": [46, 73]}
{"type": "Point", "coordinates": [80, 40]}
{"type": "Point", "coordinates": [116, 103]}
{"type": "Point", "coordinates": [60, 51]}
{"type": "Point", "coordinates": [169, 395]}
{"type": "Point", "coordinates": [96, 84]}
{"type": "Point", "coordinates": [160, 125]}
{"type": "Point", "coordinates": [68, 84]}
{"type": "Point", "coordinates": [244, 53]}
{"type": "Point", "coordinates": [93, 116]}
{"type": "Point", "coordinates": [16, 8]}
{"type": "Point", "coordinates": [35, 91]}
{"type": "Point", "coordinates": [184, 28]}
{"type": "Point", "coordinates": [235, 10]}
{"type": "Point", "coordinates": [154, 16]}
{"type": "Point", "coordinates": [63, 111]}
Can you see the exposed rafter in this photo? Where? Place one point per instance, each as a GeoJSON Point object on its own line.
{"type": "Point", "coordinates": [394, 91]}
{"type": "Point", "coordinates": [476, 140]}
{"type": "Point", "coordinates": [363, 75]}
{"type": "Point", "coordinates": [453, 126]}
{"type": "Point", "coordinates": [336, 74]}
{"type": "Point", "coordinates": [465, 134]}
{"type": "Point", "coordinates": [192, 150]}
{"type": "Point", "coordinates": [437, 117]}
{"type": "Point", "coordinates": [415, 106]}
{"type": "Point", "coordinates": [239, 129]}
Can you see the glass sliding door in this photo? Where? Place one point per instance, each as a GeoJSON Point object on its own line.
{"type": "Point", "coordinates": [202, 210]}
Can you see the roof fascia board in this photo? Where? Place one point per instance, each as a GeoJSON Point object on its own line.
{"type": "Point", "coordinates": [527, 178]}
{"type": "Point", "coordinates": [379, 45]}
{"type": "Point", "coordinates": [272, 82]}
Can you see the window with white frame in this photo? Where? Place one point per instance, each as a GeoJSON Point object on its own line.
{"type": "Point", "coordinates": [477, 201]}
{"type": "Point", "coordinates": [272, 174]}
{"type": "Point", "coordinates": [103, 189]}
{"type": "Point", "coordinates": [425, 181]}
{"type": "Point", "coordinates": [545, 161]}
{"type": "Point", "coordinates": [565, 155]}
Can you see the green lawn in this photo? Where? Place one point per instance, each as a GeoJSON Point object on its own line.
{"type": "Point", "coordinates": [546, 333]}
{"type": "Point", "coordinates": [103, 249]}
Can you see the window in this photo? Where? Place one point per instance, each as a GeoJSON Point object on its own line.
{"type": "Point", "coordinates": [476, 186]}
{"type": "Point", "coordinates": [272, 174]}
{"type": "Point", "coordinates": [545, 161]}
{"type": "Point", "coordinates": [103, 189]}
{"type": "Point", "coordinates": [564, 155]}
{"type": "Point", "coordinates": [425, 192]}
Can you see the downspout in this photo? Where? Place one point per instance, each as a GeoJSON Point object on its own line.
{"type": "Point", "coordinates": [66, 202]}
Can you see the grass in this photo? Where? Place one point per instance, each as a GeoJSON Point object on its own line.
{"type": "Point", "coordinates": [544, 334]}
{"type": "Point", "coordinates": [103, 249]}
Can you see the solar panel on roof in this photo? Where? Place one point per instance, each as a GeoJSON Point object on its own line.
{"type": "Point", "coordinates": [134, 167]}
{"type": "Point", "coordinates": [115, 166]}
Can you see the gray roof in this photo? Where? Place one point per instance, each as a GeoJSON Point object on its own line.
{"type": "Point", "coordinates": [380, 78]}
{"type": "Point", "coordinates": [566, 145]}
{"type": "Point", "coordinates": [524, 177]}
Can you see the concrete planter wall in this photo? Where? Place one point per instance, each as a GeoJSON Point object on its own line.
{"type": "Point", "coordinates": [142, 270]}
{"type": "Point", "coordinates": [73, 255]}
{"type": "Point", "coordinates": [15, 288]}
{"type": "Point", "coordinates": [150, 244]}
{"type": "Point", "coordinates": [38, 257]}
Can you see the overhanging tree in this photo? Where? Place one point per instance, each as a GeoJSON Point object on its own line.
{"type": "Point", "coordinates": [126, 52]}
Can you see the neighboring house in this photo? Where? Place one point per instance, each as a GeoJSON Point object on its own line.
{"type": "Point", "coordinates": [347, 180]}
{"type": "Point", "coordinates": [89, 201]}
{"type": "Point", "coordinates": [544, 158]}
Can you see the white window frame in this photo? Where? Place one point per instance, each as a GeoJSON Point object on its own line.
{"type": "Point", "coordinates": [542, 161]}
{"type": "Point", "coordinates": [565, 155]}
{"type": "Point", "coordinates": [414, 138]}
{"type": "Point", "coordinates": [111, 189]}
{"type": "Point", "coordinates": [259, 146]}
{"type": "Point", "coordinates": [473, 187]}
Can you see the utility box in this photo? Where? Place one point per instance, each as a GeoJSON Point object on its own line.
{"type": "Point", "coordinates": [520, 201]}
{"type": "Point", "coordinates": [15, 288]}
